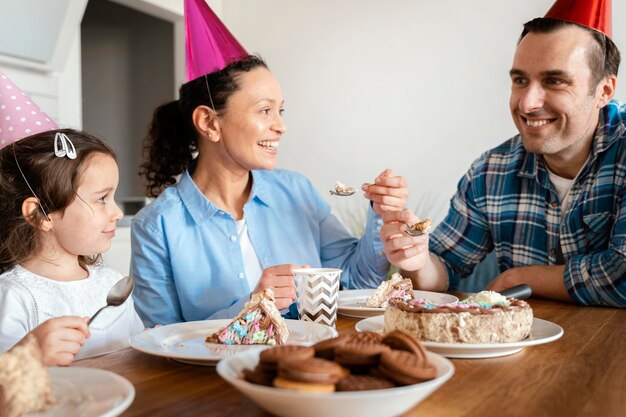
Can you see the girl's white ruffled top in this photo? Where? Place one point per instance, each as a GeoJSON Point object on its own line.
{"type": "Point", "coordinates": [27, 300]}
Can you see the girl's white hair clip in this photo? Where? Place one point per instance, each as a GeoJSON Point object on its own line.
{"type": "Point", "coordinates": [62, 146]}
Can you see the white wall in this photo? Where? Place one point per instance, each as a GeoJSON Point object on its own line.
{"type": "Point", "coordinates": [418, 86]}
{"type": "Point", "coordinates": [40, 52]}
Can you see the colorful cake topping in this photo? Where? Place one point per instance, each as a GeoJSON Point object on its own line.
{"type": "Point", "coordinates": [487, 299]}
{"type": "Point", "coordinates": [259, 323]}
{"type": "Point", "coordinates": [395, 287]}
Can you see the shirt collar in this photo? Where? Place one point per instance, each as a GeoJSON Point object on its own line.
{"type": "Point", "coordinates": [610, 129]}
{"type": "Point", "coordinates": [202, 209]}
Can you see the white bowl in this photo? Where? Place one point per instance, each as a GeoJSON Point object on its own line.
{"type": "Point", "coordinates": [288, 403]}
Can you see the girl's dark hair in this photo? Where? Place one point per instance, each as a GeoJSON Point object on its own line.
{"type": "Point", "coordinates": [54, 181]}
{"type": "Point", "coordinates": [172, 137]}
{"type": "Point", "coordinates": [604, 58]}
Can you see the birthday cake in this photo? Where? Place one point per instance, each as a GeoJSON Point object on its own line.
{"type": "Point", "coordinates": [259, 323]}
{"type": "Point", "coordinates": [394, 287]}
{"type": "Point", "coordinates": [25, 385]}
{"type": "Point", "coordinates": [487, 317]}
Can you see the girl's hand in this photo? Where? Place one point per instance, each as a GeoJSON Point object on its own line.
{"type": "Point", "coordinates": [61, 338]}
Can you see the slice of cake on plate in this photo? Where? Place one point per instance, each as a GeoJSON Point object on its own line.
{"type": "Point", "coordinates": [259, 323]}
{"type": "Point", "coordinates": [487, 317]}
{"type": "Point", "coordinates": [24, 381]}
{"type": "Point", "coordinates": [394, 287]}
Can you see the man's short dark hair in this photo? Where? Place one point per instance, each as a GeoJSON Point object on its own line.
{"type": "Point", "coordinates": [604, 58]}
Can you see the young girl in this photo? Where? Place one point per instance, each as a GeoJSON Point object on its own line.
{"type": "Point", "coordinates": [57, 214]}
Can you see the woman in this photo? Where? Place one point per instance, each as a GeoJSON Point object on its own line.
{"type": "Point", "coordinates": [233, 225]}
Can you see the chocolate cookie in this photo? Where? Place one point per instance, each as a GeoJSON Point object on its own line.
{"type": "Point", "coordinates": [313, 370]}
{"type": "Point", "coordinates": [406, 368]}
{"type": "Point", "coordinates": [269, 358]}
{"type": "Point", "coordinates": [363, 383]}
{"type": "Point", "coordinates": [257, 376]}
{"type": "Point", "coordinates": [326, 348]}
{"type": "Point", "coordinates": [280, 382]}
{"type": "Point", "coordinates": [400, 340]}
{"type": "Point", "coordinates": [368, 337]}
{"type": "Point", "coordinates": [359, 355]}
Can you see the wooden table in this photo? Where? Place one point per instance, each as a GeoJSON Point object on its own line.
{"type": "Point", "coordinates": [581, 374]}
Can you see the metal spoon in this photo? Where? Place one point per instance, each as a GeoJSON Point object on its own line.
{"type": "Point", "coordinates": [117, 294]}
{"type": "Point", "coordinates": [412, 232]}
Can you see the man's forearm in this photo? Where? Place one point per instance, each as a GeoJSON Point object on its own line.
{"type": "Point", "coordinates": [432, 277]}
{"type": "Point", "coordinates": [545, 281]}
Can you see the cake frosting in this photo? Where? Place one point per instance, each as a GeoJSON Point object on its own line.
{"type": "Point", "coordinates": [487, 317]}
{"type": "Point", "coordinates": [24, 381]}
{"type": "Point", "coordinates": [394, 287]}
{"type": "Point", "coordinates": [259, 323]}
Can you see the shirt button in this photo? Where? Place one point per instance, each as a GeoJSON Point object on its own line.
{"type": "Point", "coordinates": [241, 275]}
{"type": "Point", "coordinates": [233, 238]}
{"type": "Point", "coordinates": [554, 204]}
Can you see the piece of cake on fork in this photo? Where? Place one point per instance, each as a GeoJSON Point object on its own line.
{"type": "Point", "coordinates": [259, 323]}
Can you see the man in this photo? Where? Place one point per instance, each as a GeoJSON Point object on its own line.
{"type": "Point", "coordinates": [551, 201]}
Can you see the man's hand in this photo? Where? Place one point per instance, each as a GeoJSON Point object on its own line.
{"type": "Point", "coordinates": [406, 252]}
{"type": "Point", "coordinates": [388, 192]}
{"type": "Point", "coordinates": [61, 338]}
{"type": "Point", "coordinates": [545, 280]}
{"type": "Point", "coordinates": [280, 279]}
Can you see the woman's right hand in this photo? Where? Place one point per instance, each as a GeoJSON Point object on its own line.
{"type": "Point", "coordinates": [61, 338]}
{"type": "Point", "coordinates": [280, 279]}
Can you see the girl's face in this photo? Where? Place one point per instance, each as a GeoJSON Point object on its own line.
{"type": "Point", "coordinates": [88, 224]}
{"type": "Point", "coordinates": [252, 125]}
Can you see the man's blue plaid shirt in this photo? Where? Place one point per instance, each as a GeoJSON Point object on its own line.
{"type": "Point", "coordinates": [506, 203]}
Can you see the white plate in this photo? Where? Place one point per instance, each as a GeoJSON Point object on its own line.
{"type": "Point", "coordinates": [88, 392]}
{"type": "Point", "coordinates": [184, 342]}
{"type": "Point", "coordinates": [353, 303]}
{"type": "Point", "coordinates": [288, 403]}
{"type": "Point", "coordinates": [541, 331]}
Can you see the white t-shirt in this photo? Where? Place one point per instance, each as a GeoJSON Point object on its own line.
{"type": "Point", "coordinates": [562, 187]}
{"type": "Point", "coordinates": [27, 300]}
{"type": "Point", "coordinates": [251, 262]}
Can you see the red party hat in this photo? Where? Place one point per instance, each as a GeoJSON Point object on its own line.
{"type": "Point", "coordinates": [594, 14]}
{"type": "Point", "coordinates": [210, 46]}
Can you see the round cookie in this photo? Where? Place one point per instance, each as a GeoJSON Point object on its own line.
{"type": "Point", "coordinates": [363, 383]}
{"type": "Point", "coordinates": [312, 370]}
{"type": "Point", "coordinates": [326, 348]}
{"type": "Point", "coordinates": [280, 382]}
{"type": "Point", "coordinates": [360, 355]}
{"type": "Point", "coordinates": [269, 358]}
{"type": "Point", "coordinates": [257, 376]}
{"type": "Point", "coordinates": [400, 340]}
{"type": "Point", "coordinates": [405, 368]}
{"type": "Point", "coordinates": [367, 336]}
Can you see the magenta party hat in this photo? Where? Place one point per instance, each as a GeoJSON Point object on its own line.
{"type": "Point", "coordinates": [19, 115]}
{"type": "Point", "coordinates": [210, 46]}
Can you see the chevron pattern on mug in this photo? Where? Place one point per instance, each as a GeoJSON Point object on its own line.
{"type": "Point", "coordinates": [317, 291]}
